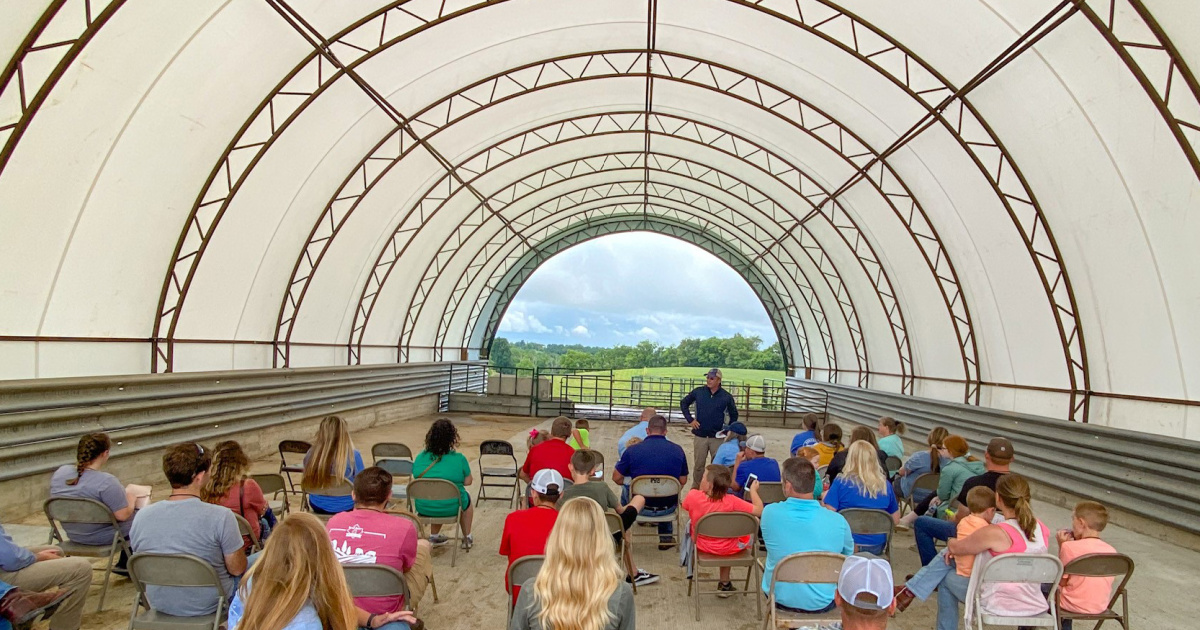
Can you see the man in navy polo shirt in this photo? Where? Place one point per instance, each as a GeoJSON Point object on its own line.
{"type": "Point", "coordinates": [712, 403]}
{"type": "Point", "coordinates": [656, 455]}
{"type": "Point", "coordinates": [753, 460]}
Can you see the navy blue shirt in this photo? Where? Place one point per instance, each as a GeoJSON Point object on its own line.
{"type": "Point", "coordinates": [656, 455]}
{"type": "Point", "coordinates": [765, 468]}
{"type": "Point", "coordinates": [710, 409]}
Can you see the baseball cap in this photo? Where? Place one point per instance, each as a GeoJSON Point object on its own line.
{"type": "Point", "coordinates": [544, 479]}
{"type": "Point", "coordinates": [1000, 450]}
{"type": "Point", "coordinates": [713, 372]}
{"type": "Point", "coordinates": [757, 443]}
{"type": "Point", "coordinates": [732, 427]}
{"type": "Point", "coordinates": [866, 576]}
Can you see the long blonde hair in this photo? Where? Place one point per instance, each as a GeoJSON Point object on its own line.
{"type": "Point", "coordinates": [580, 572]}
{"type": "Point", "coordinates": [862, 469]}
{"type": "Point", "coordinates": [331, 454]}
{"type": "Point", "coordinates": [297, 566]}
{"type": "Point", "coordinates": [229, 467]}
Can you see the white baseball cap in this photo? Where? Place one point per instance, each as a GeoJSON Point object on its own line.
{"type": "Point", "coordinates": [544, 478]}
{"type": "Point", "coordinates": [757, 443]}
{"type": "Point", "coordinates": [866, 576]}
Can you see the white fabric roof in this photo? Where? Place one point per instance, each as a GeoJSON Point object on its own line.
{"type": "Point", "coordinates": [984, 201]}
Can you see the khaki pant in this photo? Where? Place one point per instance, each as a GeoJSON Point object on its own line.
{"type": "Point", "coordinates": [421, 571]}
{"type": "Point", "coordinates": [703, 450]}
{"type": "Point", "coordinates": [68, 574]}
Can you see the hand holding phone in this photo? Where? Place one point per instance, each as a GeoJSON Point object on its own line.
{"type": "Point", "coordinates": [752, 479]}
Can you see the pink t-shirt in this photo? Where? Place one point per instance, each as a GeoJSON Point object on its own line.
{"type": "Point", "coordinates": [698, 504]}
{"type": "Point", "coordinates": [372, 537]}
{"type": "Point", "coordinates": [1088, 595]}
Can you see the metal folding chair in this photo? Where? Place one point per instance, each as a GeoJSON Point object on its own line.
{"type": "Point", "coordinates": [621, 540]}
{"type": "Point", "coordinates": [726, 525]}
{"type": "Point", "coordinates": [1016, 568]}
{"type": "Point", "coordinates": [245, 530]}
{"type": "Point", "coordinates": [864, 522]}
{"type": "Point", "coordinates": [376, 580]}
{"type": "Point", "coordinates": [416, 521]}
{"type": "Point", "coordinates": [401, 469]}
{"type": "Point", "coordinates": [163, 569]}
{"type": "Point", "coordinates": [390, 450]}
{"type": "Point", "coordinates": [438, 490]}
{"type": "Point", "coordinates": [497, 461]}
{"type": "Point", "coordinates": [810, 567]}
{"type": "Point", "coordinates": [927, 481]}
{"type": "Point", "coordinates": [893, 464]}
{"type": "Point", "coordinates": [90, 512]}
{"type": "Point", "coordinates": [518, 572]}
{"type": "Point", "coordinates": [343, 489]}
{"type": "Point", "coordinates": [292, 447]}
{"type": "Point", "coordinates": [1114, 565]}
{"type": "Point", "coordinates": [657, 486]}
{"type": "Point", "coordinates": [771, 492]}
{"type": "Point", "coordinates": [276, 492]}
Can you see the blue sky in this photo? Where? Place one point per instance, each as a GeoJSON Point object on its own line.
{"type": "Point", "coordinates": [624, 288]}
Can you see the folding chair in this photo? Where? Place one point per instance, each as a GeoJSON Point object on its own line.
{"type": "Point", "coordinates": [505, 470]}
{"type": "Point", "coordinates": [273, 488]}
{"type": "Point", "coordinates": [1015, 568]}
{"type": "Point", "coordinates": [390, 450]}
{"type": "Point", "coordinates": [657, 486]}
{"type": "Point", "coordinates": [244, 530]}
{"type": "Point", "coordinates": [400, 469]}
{"type": "Point", "coordinates": [927, 481]}
{"type": "Point", "coordinates": [893, 464]}
{"type": "Point", "coordinates": [518, 572]}
{"type": "Point", "coordinates": [809, 567]}
{"type": "Point", "coordinates": [376, 580]}
{"type": "Point", "coordinates": [292, 447]}
{"type": "Point", "coordinates": [726, 525]}
{"type": "Point", "coordinates": [599, 457]}
{"type": "Point", "coordinates": [1112, 565]}
{"type": "Point", "coordinates": [821, 471]}
{"type": "Point", "coordinates": [770, 492]}
{"type": "Point", "coordinates": [438, 490]}
{"type": "Point", "coordinates": [863, 522]}
{"type": "Point", "coordinates": [621, 540]}
{"type": "Point", "coordinates": [416, 521]}
{"type": "Point", "coordinates": [342, 489]}
{"type": "Point", "coordinates": [89, 512]}
{"type": "Point", "coordinates": [170, 569]}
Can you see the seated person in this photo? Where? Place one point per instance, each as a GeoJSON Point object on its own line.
{"type": "Point", "coordinates": [554, 453]}
{"type": "Point", "coordinates": [43, 568]}
{"type": "Point", "coordinates": [20, 608]}
{"type": "Point", "coordinates": [1076, 593]}
{"type": "Point", "coordinates": [864, 594]}
{"type": "Point", "coordinates": [369, 535]}
{"type": "Point", "coordinates": [228, 484]}
{"type": "Point", "coordinates": [211, 533]}
{"type": "Point", "coordinates": [921, 462]}
{"type": "Point", "coordinates": [583, 466]}
{"type": "Point", "coordinates": [955, 473]}
{"type": "Point", "coordinates": [890, 430]}
{"type": "Point", "coordinates": [839, 459]}
{"type": "Point", "coordinates": [580, 437]}
{"type": "Point", "coordinates": [982, 504]}
{"type": "Point", "coordinates": [331, 460]}
{"type": "Point", "coordinates": [86, 480]}
{"type": "Point", "coordinates": [526, 531]}
{"type": "Point", "coordinates": [863, 485]}
{"type": "Point", "coordinates": [830, 444]}
{"type": "Point", "coordinates": [714, 496]}
{"type": "Point", "coordinates": [440, 459]}
{"type": "Point", "coordinates": [753, 461]}
{"type": "Point", "coordinates": [296, 584]}
{"type": "Point", "coordinates": [656, 455]}
{"type": "Point", "coordinates": [928, 529]}
{"type": "Point", "coordinates": [810, 453]}
{"type": "Point", "coordinates": [811, 423]}
{"type": "Point", "coordinates": [636, 431]}
{"type": "Point", "coordinates": [824, 530]}
{"type": "Point", "coordinates": [735, 440]}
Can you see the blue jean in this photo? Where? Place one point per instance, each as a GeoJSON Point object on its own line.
{"type": "Point", "coordinates": [665, 530]}
{"type": "Point", "coordinates": [926, 529]}
{"type": "Point", "coordinates": [392, 625]}
{"type": "Point", "coordinates": [951, 593]}
{"type": "Point", "coordinates": [930, 576]}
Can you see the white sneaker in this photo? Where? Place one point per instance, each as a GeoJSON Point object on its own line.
{"type": "Point", "coordinates": [643, 578]}
{"type": "Point", "coordinates": [468, 541]}
{"type": "Point", "coordinates": [437, 540]}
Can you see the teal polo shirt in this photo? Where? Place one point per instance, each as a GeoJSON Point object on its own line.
{"type": "Point", "coordinates": [797, 525]}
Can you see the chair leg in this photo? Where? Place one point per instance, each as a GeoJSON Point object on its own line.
{"type": "Point", "coordinates": [695, 577]}
{"type": "Point", "coordinates": [433, 585]}
{"type": "Point", "coordinates": [107, 577]}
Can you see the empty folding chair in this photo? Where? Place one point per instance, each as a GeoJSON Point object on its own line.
{"type": "Point", "coordinates": [867, 522]}
{"type": "Point", "coordinates": [1015, 568]}
{"type": "Point", "coordinates": [518, 572]}
{"type": "Point", "coordinates": [162, 569]}
{"type": "Point", "coordinates": [296, 465]}
{"type": "Point", "coordinates": [402, 470]}
{"type": "Point", "coordinates": [246, 532]}
{"type": "Point", "coordinates": [438, 490]}
{"type": "Point", "coordinates": [726, 525]}
{"type": "Point", "coordinates": [497, 462]}
{"type": "Point", "coordinates": [90, 512]}
{"type": "Point", "coordinates": [657, 486]}
{"type": "Point", "coordinates": [377, 580]}
{"type": "Point", "coordinates": [810, 567]}
{"type": "Point", "coordinates": [1114, 565]}
{"type": "Point", "coordinates": [276, 492]}
{"type": "Point", "coordinates": [390, 450]}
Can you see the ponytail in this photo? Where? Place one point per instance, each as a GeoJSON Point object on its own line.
{"type": "Point", "coordinates": [90, 447]}
{"type": "Point", "coordinates": [1013, 489]}
{"type": "Point", "coordinates": [832, 433]}
{"type": "Point", "coordinates": [935, 438]}
{"type": "Point", "coordinates": [895, 427]}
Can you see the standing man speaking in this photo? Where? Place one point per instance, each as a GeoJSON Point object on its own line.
{"type": "Point", "coordinates": [712, 403]}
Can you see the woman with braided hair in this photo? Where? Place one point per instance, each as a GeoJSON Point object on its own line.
{"type": "Point", "coordinates": [85, 480]}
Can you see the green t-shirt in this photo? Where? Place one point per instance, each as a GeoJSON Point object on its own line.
{"type": "Point", "coordinates": [597, 491]}
{"type": "Point", "coordinates": [892, 445]}
{"type": "Point", "coordinates": [583, 435]}
{"type": "Point", "coordinates": [453, 467]}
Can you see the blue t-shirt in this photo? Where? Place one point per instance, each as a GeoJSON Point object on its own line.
{"type": "Point", "coordinates": [726, 454]}
{"type": "Point", "coordinates": [798, 525]}
{"type": "Point", "coordinates": [892, 445]}
{"type": "Point", "coordinates": [844, 493]}
{"type": "Point", "coordinates": [656, 455]}
{"type": "Point", "coordinates": [803, 438]}
{"type": "Point", "coordinates": [766, 468]}
{"type": "Point", "coordinates": [306, 618]}
{"type": "Point", "coordinates": [339, 504]}
{"type": "Point", "coordinates": [636, 431]}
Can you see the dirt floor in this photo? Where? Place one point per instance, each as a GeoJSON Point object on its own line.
{"type": "Point", "coordinates": [471, 595]}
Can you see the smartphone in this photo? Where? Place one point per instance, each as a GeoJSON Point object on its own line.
{"type": "Point", "coordinates": [753, 478]}
{"type": "Point", "coordinates": [599, 472]}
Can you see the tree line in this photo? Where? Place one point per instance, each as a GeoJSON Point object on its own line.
{"type": "Point", "coordinates": [738, 351]}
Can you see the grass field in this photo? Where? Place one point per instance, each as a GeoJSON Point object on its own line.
{"type": "Point", "coordinates": [731, 375]}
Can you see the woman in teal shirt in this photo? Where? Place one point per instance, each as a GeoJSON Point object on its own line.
{"type": "Point", "coordinates": [440, 460]}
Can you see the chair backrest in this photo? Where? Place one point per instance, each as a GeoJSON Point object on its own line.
{"type": "Point", "coordinates": [412, 517]}
{"type": "Point", "coordinates": [728, 525]}
{"type": "Point", "coordinates": [375, 580]}
{"type": "Point", "coordinates": [78, 510]}
{"type": "Point", "coordinates": [864, 521]}
{"type": "Point", "coordinates": [928, 481]}
{"type": "Point", "coordinates": [523, 569]}
{"type": "Point", "coordinates": [270, 483]}
{"type": "Point", "coordinates": [342, 489]}
{"type": "Point", "coordinates": [821, 471]}
{"type": "Point", "coordinates": [172, 569]}
{"type": "Point", "coordinates": [771, 491]}
{"type": "Point", "coordinates": [496, 447]}
{"type": "Point", "coordinates": [432, 490]}
{"type": "Point", "coordinates": [893, 464]}
{"type": "Point", "coordinates": [599, 457]}
{"type": "Point", "coordinates": [398, 467]}
{"type": "Point", "coordinates": [390, 450]}
{"type": "Point", "coordinates": [244, 529]}
{"type": "Point", "coordinates": [615, 526]}
{"type": "Point", "coordinates": [656, 486]}
{"type": "Point", "coordinates": [299, 447]}
{"type": "Point", "coordinates": [809, 567]}
{"type": "Point", "coordinates": [1021, 568]}
{"type": "Point", "coordinates": [1103, 565]}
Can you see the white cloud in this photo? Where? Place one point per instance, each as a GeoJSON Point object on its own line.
{"type": "Point", "coordinates": [645, 332]}
{"type": "Point", "coordinates": [580, 331]}
{"type": "Point", "coordinates": [518, 322]}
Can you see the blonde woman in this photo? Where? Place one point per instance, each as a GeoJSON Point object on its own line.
{"type": "Point", "coordinates": [297, 584]}
{"type": "Point", "coordinates": [227, 485]}
{"type": "Point", "coordinates": [863, 485]}
{"type": "Point", "coordinates": [331, 460]}
{"type": "Point", "coordinates": [580, 585]}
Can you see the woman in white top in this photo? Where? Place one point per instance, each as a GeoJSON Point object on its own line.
{"type": "Point", "coordinates": [1020, 532]}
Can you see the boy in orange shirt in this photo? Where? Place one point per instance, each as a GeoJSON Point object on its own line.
{"type": "Point", "coordinates": [981, 501]}
{"type": "Point", "coordinates": [1078, 594]}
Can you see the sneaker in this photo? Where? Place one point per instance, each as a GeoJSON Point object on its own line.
{"type": "Point", "coordinates": [438, 540]}
{"type": "Point", "coordinates": [643, 578]}
{"type": "Point", "coordinates": [724, 589]}
{"type": "Point", "coordinates": [468, 541]}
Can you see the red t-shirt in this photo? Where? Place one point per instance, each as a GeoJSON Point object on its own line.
{"type": "Point", "coordinates": [698, 504]}
{"type": "Point", "coordinates": [553, 453]}
{"type": "Point", "coordinates": [525, 534]}
{"type": "Point", "coordinates": [372, 537]}
{"type": "Point", "coordinates": [253, 500]}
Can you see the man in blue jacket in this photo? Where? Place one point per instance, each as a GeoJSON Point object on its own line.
{"type": "Point", "coordinates": [712, 403]}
